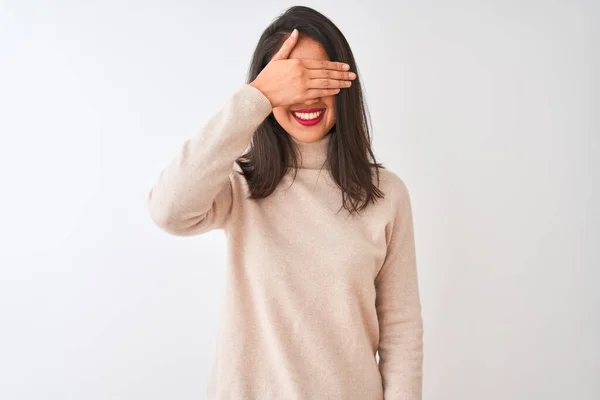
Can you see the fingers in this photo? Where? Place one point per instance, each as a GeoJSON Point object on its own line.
{"type": "Point", "coordinates": [326, 79]}
{"type": "Point", "coordinates": [329, 79]}
{"type": "Point", "coordinates": [328, 83]}
{"type": "Point", "coordinates": [287, 46]}
{"type": "Point", "coordinates": [323, 64]}
{"type": "Point", "coordinates": [316, 93]}
{"type": "Point", "coordinates": [330, 74]}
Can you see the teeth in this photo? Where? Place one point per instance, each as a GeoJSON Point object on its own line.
{"type": "Point", "coordinates": [308, 116]}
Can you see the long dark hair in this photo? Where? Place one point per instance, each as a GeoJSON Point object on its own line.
{"type": "Point", "coordinates": [350, 157]}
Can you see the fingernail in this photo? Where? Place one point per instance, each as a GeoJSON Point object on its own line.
{"type": "Point", "coordinates": [352, 75]}
{"type": "Point", "coordinates": [346, 66]}
{"type": "Point", "coordinates": [294, 32]}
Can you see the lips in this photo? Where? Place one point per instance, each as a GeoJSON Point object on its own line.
{"type": "Point", "coordinates": [308, 110]}
{"type": "Point", "coordinates": [306, 119]}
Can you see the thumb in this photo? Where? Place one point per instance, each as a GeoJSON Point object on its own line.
{"type": "Point", "coordinates": [287, 46]}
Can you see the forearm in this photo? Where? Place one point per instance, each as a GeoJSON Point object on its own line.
{"type": "Point", "coordinates": [193, 184]}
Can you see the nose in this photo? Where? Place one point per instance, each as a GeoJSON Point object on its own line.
{"type": "Point", "coordinates": [312, 101]}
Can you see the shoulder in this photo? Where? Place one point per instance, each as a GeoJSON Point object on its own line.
{"type": "Point", "coordinates": [398, 208]}
{"type": "Point", "coordinates": [393, 186]}
{"type": "Point", "coordinates": [398, 204]}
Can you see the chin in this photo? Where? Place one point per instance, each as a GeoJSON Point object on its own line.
{"type": "Point", "coordinates": [307, 135]}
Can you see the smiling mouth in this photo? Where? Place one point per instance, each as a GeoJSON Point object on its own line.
{"type": "Point", "coordinates": [309, 117]}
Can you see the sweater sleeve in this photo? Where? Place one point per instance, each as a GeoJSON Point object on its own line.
{"type": "Point", "coordinates": [399, 308]}
{"type": "Point", "coordinates": [193, 194]}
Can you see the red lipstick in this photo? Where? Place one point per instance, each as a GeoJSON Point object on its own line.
{"type": "Point", "coordinates": [308, 110]}
{"type": "Point", "coordinates": [309, 122]}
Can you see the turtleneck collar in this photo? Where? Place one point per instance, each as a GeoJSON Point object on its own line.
{"type": "Point", "coordinates": [314, 154]}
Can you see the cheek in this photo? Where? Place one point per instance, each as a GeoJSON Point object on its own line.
{"type": "Point", "coordinates": [281, 115]}
{"type": "Point", "coordinates": [330, 103]}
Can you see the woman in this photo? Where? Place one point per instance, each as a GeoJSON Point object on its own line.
{"type": "Point", "coordinates": [321, 260]}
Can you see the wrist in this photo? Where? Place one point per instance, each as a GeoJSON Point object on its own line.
{"type": "Point", "coordinates": [255, 85]}
{"type": "Point", "coordinates": [258, 87]}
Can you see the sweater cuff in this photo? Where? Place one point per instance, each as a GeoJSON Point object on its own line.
{"type": "Point", "coordinates": [256, 99]}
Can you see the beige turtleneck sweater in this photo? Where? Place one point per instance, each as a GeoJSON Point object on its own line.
{"type": "Point", "coordinates": [311, 294]}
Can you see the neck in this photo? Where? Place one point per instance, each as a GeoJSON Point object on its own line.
{"type": "Point", "coordinates": [313, 155]}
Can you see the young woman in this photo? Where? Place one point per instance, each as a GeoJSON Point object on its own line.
{"type": "Point", "coordinates": [321, 269]}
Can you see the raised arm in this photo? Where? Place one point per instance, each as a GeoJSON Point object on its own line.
{"type": "Point", "coordinates": [193, 194]}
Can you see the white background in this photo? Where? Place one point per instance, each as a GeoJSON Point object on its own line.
{"type": "Point", "coordinates": [487, 110]}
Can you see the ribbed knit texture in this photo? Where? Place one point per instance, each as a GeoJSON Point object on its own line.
{"type": "Point", "coordinates": [311, 293]}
